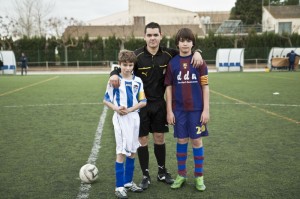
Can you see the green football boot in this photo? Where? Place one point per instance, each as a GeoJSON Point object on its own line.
{"type": "Point", "coordinates": [178, 182]}
{"type": "Point", "coordinates": [200, 183]}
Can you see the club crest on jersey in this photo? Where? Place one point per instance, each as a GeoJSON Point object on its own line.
{"type": "Point", "coordinates": [184, 65]}
{"type": "Point", "coordinates": [135, 88]}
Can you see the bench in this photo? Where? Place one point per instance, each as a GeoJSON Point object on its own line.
{"type": "Point", "coordinates": [283, 63]}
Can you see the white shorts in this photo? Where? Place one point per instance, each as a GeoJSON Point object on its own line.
{"type": "Point", "coordinates": [126, 132]}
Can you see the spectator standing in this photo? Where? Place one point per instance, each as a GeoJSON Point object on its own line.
{"type": "Point", "coordinates": [292, 58]}
{"type": "Point", "coordinates": [1, 64]}
{"type": "Point", "coordinates": [24, 64]}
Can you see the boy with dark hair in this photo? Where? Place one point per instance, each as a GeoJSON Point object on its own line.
{"type": "Point", "coordinates": [187, 96]}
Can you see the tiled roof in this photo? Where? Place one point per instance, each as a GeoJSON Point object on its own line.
{"type": "Point", "coordinates": [125, 31]}
{"type": "Point", "coordinates": [216, 17]}
{"type": "Point", "coordinates": [284, 12]}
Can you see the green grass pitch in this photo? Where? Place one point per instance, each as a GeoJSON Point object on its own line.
{"type": "Point", "coordinates": [48, 125]}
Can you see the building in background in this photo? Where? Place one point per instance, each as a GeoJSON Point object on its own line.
{"type": "Point", "coordinates": [281, 19]}
{"type": "Point", "coordinates": [131, 23]}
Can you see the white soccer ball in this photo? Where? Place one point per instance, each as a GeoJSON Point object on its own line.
{"type": "Point", "coordinates": [88, 173]}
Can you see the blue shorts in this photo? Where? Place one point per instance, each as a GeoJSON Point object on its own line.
{"type": "Point", "coordinates": [188, 125]}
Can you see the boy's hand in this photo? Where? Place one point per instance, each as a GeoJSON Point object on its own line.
{"type": "Point", "coordinates": [121, 110]}
{"type": "Point", "coordinates": [170, 118]}
{"type": "Point", "coordinates": [204, 117]}
{"type": "Point", "coordinates": [197, 60]}
{"type": "Point", "coordinates": [114, 81]}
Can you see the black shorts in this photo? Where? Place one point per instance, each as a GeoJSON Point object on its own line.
{"type": "Point", "coordinates": [153, 118]}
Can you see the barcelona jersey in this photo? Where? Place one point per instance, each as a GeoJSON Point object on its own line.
{"type": "Point", "coordinates": [186, 82]}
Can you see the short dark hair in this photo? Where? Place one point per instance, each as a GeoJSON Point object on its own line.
{"type": "Point", "coordinates": [127, 56]}
{"type": "Point", "coordinates": [152, 25]}
{"type": "Point", "coordinates": [185, 33]}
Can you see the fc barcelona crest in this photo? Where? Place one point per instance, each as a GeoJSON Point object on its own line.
{"type": "Point", "coordinates": [184, 65]}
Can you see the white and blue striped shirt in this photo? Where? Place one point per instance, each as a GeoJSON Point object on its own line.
{"type": "Point", "coordinates": [130, 92]}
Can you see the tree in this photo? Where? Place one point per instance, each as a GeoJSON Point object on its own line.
{"type": "Point", "coordinates": [41, 12]}
{"type": "Point", "coordinates": [30, 16]}
{"type": "Point", "coordinates": [63, 30]}
{"type": "Point", "coordinates": [8, 30]}
{"type": "Point", "coordinates": [26, 19]}
{"type": "Point", "coordinates": [249, 11]}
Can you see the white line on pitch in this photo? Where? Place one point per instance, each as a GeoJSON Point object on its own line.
{"type": "Point", "coordinates": [84, 188]}
{"type": "Point", "coordinates": [257, 104]}
{"type": "Point", "coordinates": [41, 105]}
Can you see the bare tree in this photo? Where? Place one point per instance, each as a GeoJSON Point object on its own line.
{"type": "Point", "coordinates": [65, 31]}
{"type": "Point", "coordinates": [57, 26]}
{"type": "Point", "coordinates": [24, 13]}
{"type": "Point", "coordinates": [30, 14]}
{"type": "Point", "coordinates": [41, 11]}
{"type": "Point", "coordinates": [8, 31]}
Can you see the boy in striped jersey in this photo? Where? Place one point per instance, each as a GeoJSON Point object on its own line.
{"type": "Point", "coordinates": [187, 97]}
{"type": "Point", "coordinates": [126, 101]}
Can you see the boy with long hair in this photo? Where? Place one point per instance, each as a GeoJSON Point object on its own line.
{"type": "Point", "coordinates": [187, 97]}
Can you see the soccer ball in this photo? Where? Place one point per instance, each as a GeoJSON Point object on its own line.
{"type": "Point", "coordinates": [88, 173]}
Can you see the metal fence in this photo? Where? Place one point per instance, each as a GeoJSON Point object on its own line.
{"type": "Point", "coordinates": [106, 65]}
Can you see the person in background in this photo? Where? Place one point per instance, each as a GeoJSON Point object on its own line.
{"type": "Point", "coordinates": [151, 65]}
{"type": "Point", "coordinates": [187, 97]}
{"type": "Point", "coordinates": [1, 64]}
{"type": "Point", "coordinates": [292, 57]}
{"type": "Point", "coordinates": [126, 101]}
{"type": "Point", "coordinates": [24, 64]}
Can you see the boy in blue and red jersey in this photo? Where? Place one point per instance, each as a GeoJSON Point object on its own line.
{"type": "Point", "coordinates": [187, 96]}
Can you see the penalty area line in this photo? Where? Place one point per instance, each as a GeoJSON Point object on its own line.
{"type": "Point", "coordinates": [84, 188]}
{"type": "Point", "coordinates": [257, 104]}
{"type": "Point", "coordinates": [255, 107]}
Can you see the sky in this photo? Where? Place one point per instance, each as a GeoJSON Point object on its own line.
{"type": "Point", "coordinates": [85, 10]}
